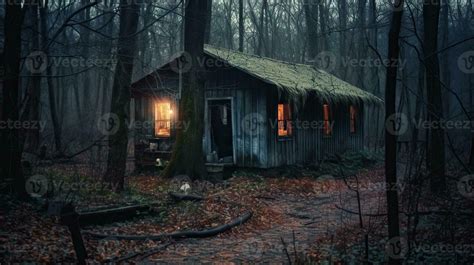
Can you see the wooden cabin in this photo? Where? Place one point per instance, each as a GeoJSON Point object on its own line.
{"type": "Point", "coordinates": [259, 112]}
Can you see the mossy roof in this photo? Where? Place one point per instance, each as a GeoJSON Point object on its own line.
{"type": "Point", "coordinates": [297, 80]}
{"type": "Point", "coordinates": [292, 78]}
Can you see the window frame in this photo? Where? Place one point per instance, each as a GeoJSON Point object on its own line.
{"type": "Point", "coordinates": [327, 131]}
{"type": "Point", "coordinates": [288, 120]}
{"type": "Point", "coordinates": [156, 121]}
{"type": "Point", "coordinates": [353, 119]}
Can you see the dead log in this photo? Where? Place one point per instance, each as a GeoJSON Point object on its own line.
{"type": "Point", "coordinates": [70, 217]}
{"type": "Point", "coordinates": [112, 215]}
{"type": "Point", "coordinates": [180, 235]}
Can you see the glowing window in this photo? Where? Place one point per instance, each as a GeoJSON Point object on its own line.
{"type": "Point", "coordinates": [353, 116]}
{"type": "Point", "coordinates": [284, 120]}
{"type": "Point", "coordinates": [327, 120]}
{"type": "Point", "coordinates": [163, 119]}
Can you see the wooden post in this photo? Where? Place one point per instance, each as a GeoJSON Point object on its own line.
{"type": "Point", "coordinates": [70, 217]}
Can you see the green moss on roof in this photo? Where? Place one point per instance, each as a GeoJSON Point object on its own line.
{"type": "Point", "coordinates": [294, 79]}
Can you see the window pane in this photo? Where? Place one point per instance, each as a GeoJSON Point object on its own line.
{"type": "Point", "coordinates": [326, 114]}
{"type": "Point", "coordinates": [284, 120]}
{"type": "Point", "coordinates": [353, 114]}
{"type": "Point", "coordinates": [163, 119]}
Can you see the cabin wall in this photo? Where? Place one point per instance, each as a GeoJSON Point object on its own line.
{"type": "Point", "coordinates": [250, 138]}
{"type": "Point", "coordinates": [249, 101]}
{"type": "Point", "coordinates": [308, 143]}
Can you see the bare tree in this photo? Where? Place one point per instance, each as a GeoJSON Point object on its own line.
{"type": "Point", "coordinates": [188, 157]}
{"type": "Point", "coordinates": [118, 142]}
{"type": "Point", "coordinates": [390, 137]}
{"type": "Point", "coordinates": [241, 25]}
{"type": "Point", "coordinates": [11, 151]}
{"type": "Point", "coordinates": [436, 148]}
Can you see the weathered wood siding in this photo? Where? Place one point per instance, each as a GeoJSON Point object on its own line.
{"type": "Point", "coordinates": [308, 143]}
{"type": "Point", "coordinates": [249, 102]}
{"type": "Point", "coordinates": [255, 102]}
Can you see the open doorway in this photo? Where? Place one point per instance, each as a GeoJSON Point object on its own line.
{"type": "Point", "coordinates": [221, 130]}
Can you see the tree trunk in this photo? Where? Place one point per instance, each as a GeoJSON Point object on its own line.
{"type": "Point", "coordinates": [361, 47]}
{"type": "Point", "coordinates": [85, 53]}
{"type": "Point", "coordinates": [120, 106]}
{"type": "Point", "coordinates": [311, 18]}
{"type": "Point", "coordinates": [10, 151]}
{"type": "Point", "coordinates": [32, 109]}
{"type": "Point", "coordinates": [261, 31]}
{"type": "Point", "coordinates": [436, 148]}
{"type": "Point", "coordinates": [241, 25]}
{"type": "Point", "coordinates": [51, 94]}
{"type": "Point", "coordinates": [390, 137]}
{"type": "Point", "coordinates": [342, 35]}
{"type": "Point", "coordinates": [188, 157]}
{"type": "Point", "coordinates": [207, 36]}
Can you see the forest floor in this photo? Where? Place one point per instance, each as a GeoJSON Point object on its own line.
{"type": "Point", "coordinates": [300, 217]}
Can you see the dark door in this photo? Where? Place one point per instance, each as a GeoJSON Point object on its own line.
{"type": "Point", "coordinates": [220, 115]}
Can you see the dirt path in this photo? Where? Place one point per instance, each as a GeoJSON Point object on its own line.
{"type": "Point", "coordinates": [308, 218]}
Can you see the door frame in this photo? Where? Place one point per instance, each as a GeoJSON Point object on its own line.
{"type": "Point", "coordinates": [207, 126]}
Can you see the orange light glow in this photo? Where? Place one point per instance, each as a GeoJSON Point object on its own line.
{"type": "Point", "coordinates": [327, 126]}
{"type": "Point", "coordinates": [284, 120]}
{"type": "Point", "coordinates": [163, 114]}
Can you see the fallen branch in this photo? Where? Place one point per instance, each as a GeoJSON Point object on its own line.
{"type": "Point", "coordinates": [102, 216]}
{"type": "Point", "coordinates": [179, 235]}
